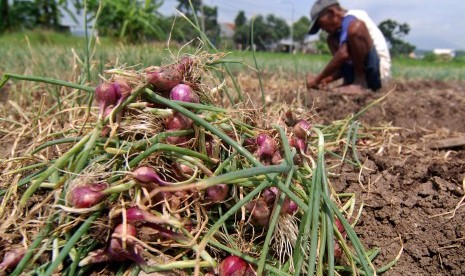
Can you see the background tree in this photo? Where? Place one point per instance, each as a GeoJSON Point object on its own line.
{"type": "Point", "coordinates": [184, 6]}
{"type": "Point", "coordinates": [394, 33]}
{"type": "Point", "coordinates": [279, 28]}
{"type": "Point", "coordinates": [20, 14]}
{"type": "Point", "coordinates": [301, 28]}
{"type": "Point", "coordinates": [4, 14]}
{"type": "Point", "coordinates": [267, 31]}
{"type": "Point", "coordinates": [321, 45]}
{"type": "Point", "coordinates": [240, 19]}
{"type": "Point", "coordinates": [206, 18]}
{"type": "Point", "coordinates": [212, 29]}
{"type": "Point", "coordinates": [48, 14]}
{"type": "Point", "coordinates": [241, 35]}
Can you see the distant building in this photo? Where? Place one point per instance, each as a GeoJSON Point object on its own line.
{"type": "Point", "coordinates": [286, 45]}
{"type": "Point", "coordinates": [226, 34]}
{"type": "Point", "coordinates": [227, 30]}
{"type": "Point", "coordinates": [447, 53]}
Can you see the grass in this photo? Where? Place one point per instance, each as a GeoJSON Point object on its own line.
{"type": "Point", "coordinates": [430, 70]}
{"type": "Point", "coordinates": [50, 54]}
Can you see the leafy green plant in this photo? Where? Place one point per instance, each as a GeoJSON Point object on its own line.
{"type": "Point", "coordinates": [133, 21]}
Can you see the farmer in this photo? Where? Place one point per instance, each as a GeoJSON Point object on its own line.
{"type": "Point", "coordinates": [360, 55]}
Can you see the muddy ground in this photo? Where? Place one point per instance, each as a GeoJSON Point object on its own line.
{"type": "Point", "coordinates": [412, 184]}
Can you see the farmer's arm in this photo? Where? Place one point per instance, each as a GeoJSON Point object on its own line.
{"type": "Point", "coordinates": [332, 70]}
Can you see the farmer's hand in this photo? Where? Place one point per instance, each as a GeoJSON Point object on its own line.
{"type": "Point", "coordinates": [312, 82]}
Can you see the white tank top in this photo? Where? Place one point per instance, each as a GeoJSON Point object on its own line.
{"type": "Point", "coordinates": [378, 41]}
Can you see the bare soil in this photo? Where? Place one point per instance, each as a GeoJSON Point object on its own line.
{"type": "Point", "coordinates": [409, 187]}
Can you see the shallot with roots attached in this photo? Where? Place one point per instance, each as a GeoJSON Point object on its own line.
{"type": "Point", "coordinates": [164, 78]}
{"type": "Point", "coordinates": [116, 250]}
{"type": "Point", "coordinates": [269, 196]}
{"type": "Point", "coordinates": [185, 64]}
{"type": "Point", "coordinates": [289, 206]}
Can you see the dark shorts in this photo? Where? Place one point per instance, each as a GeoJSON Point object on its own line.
{"type": "Point", "coordinates": [372, 74]}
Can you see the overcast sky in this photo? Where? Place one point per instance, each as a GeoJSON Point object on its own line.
{"type": "Point", "coordinates": [433, 23]}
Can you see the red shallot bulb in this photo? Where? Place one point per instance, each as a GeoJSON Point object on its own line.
{"type": "Point", "coordinates": [118, 252]}
{"type": "Point", "coordinates": [148, 175]}
{"type": "Point", "coordinates": [88, 195]}
{"type": "Point", "coordinates": [182, 170]}
{"type": "Point", "coordinates": [337, 249]}
{"type": "Point", "coordinates": [276, 158]}
{"type": "Point", "coordinates": [340, 227]}
{"type": "Point", "coordinates": [123, 90]}
{"type": "Point", "coordinates": [299, 144]}
{"type": "Point", "coordinates": [164, 78]}
{"type": "Point", "coordinates": [115, 250]}
{"type": "Point", "coordinates": [105, 95]}
{"type": "Point", "coordinates": [218, 193]}
{"type": "Point", "coordinates": [185, 64]}
{"type": "Point", "coordinates": [269, 195]}
{"type": "Point", "coordinates": [302, 129]}
{"type": "Point", "coordinates": [178, 122]}
{"type": "Point", "coordinates": [11, 259]}
{"type": "Point", "coordinates": [261, 138]}
{"type": "Point", "coordinates": [184, 93]}
{"type": "Point", "coordinates": [233, 266]}
{"type": "Point", "coordinates": [260, 212]}
{"type": "Point", "coordinates": [266, 145]}
{"type": "Point", "coordinates": [289, 206]}
{"type": "Point", "coordinates": [145, 175]}
{"type": "Point", "coordinates": [180, 141]}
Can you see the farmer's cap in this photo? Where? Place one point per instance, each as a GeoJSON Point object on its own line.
{"type": "Point", "coordinates": [317, 8]}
